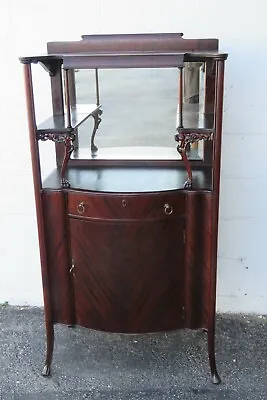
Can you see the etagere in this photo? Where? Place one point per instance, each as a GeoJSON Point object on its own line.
{"type": "Point", "coordinates": [128, 244]}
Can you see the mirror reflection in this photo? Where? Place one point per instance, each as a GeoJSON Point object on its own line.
{"type": "Point", "coordinates": [140, 112]}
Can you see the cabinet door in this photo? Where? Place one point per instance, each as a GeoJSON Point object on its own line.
{"type": "Point", "coordinates": [128, 274]}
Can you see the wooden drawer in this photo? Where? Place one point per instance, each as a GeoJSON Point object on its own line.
{"type": "Point", "coordinates": [126, 206]}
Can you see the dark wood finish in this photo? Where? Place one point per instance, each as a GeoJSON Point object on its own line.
{"type": "Point", "coordinates": [58, 256]}
{"type": "Point", "coordinates": [128, 249]}
{"type": "Point", "coordinates": [51, 63]}
{"type": "Point", "coordinates": [69, 147]}
{"type": "Point", "coordinates": [59, 123]}
{"type": "Point", "coordinates": [125, 60]}
{"type": "Point", "coordinates": [59, 129]}
{"type": "Point", "coordinates": [181, 96]}
{"type": "Point", "coordinates": [197, 258]}
{"type": "Point", "coordinates": [129, 179]}
{"type": "Point", "coordinates": [125, 162]}
{"type": "Point", "coordinates": [35, 158]}
{"type": "Point", "coordinates": [132, 59]}
{"type": "Point", "coordinates": [196, 131]}
{"type": "Point", "coordinates": [126, 206]}
{"type": "Point", "coordinates": [185, 138]}
{"type": "Point", "coordinates": [126, 288]}
{"type": "Point", "coordinates": [58, 108]}
{"type": "Point", "coordinates": [133, 42]}
{"type": "Point", "coordinates": [134, 162]}
{"type": "Point", "coordinates": [215, 214]}
{"type": "Point", "coordinates": [209, 102]}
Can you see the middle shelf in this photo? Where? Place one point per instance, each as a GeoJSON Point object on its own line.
{"type": "Point", "coordinates": [129, 179]}
{"type": "Point", "coordinates": [59, 124]}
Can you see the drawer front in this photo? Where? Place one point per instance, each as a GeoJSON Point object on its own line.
{"type": "Point", "coordinates": [126, 206]}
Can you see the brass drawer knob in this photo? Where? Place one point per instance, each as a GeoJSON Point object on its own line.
{"type": "Point", "coordinates": [81, 208]}
{"type": "Point", "coordinates": [168, 209]}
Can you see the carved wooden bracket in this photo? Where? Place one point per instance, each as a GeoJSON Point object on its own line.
{"type": "Point", "coordinates": [184, 139]}
{"type": "Point", "coordinates": [66, 138]}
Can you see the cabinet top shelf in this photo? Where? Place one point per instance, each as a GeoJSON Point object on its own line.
{"type": "Point", "coordinates": [123, 59]}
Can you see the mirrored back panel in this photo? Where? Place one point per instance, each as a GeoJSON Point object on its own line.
{"type": "Point", "coordinates": [139, 112]}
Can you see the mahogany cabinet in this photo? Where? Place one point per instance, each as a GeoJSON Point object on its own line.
{"type": "Point", "coordinates": [128, 244]}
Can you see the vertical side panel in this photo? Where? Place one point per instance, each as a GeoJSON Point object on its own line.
{"type": "Point", "coordinates": [198, 259]}
{"type": "Point", "coordinates": [56, 241]}
{"type": "Point", "coordinates": [207, 246]}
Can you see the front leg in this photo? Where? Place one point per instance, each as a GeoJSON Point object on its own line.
{"type": "Point", "coordinates": [49, 348]}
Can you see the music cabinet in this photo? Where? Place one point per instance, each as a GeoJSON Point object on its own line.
{"type": "Point", "coordinates": [128, 244]}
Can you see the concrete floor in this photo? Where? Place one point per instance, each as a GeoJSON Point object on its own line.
{"type": "Point", "coordinates": [101, 366]}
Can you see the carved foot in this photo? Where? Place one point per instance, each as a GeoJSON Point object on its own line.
{"type": "Point", "coordinates": [49, 349]}
{"type": "Point", "coordinates": [211, 350]}
{"type": "Point", "coordinates": [216, 380]}
{"type": "Point", "coordinates": [69, 147]}
{"type": "Point", "coordinates": [65, 183]}
{"type": "Point", "coordinates": [188, 184]}
{"type": "Point", "coordinates": [181, 148]}
{"type": "Point", "coordinates": [94, 149]}
{"type": "Point", "coordinates": [46, 371]}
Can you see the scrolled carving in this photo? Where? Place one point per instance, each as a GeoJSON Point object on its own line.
{"type": "Point", "coordinates": [192, 137]}
{"type": "Point", "coordinates": [66, 138]}
{"type": "Point", "coordinates": [184, 139]}
{"type": "Point", "coordinates": [56, 137]}
{"type": "Point", "coordinates": [69, 147]}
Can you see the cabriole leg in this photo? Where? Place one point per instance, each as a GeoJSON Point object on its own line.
{"type": "Point", "coordinates": [181, 148]}
{"type": "Point", "coordinates": [211, 350]}
{"type": "Point", "coordinates": [49, 348]}
{"type": "Point", "coordinates": [69, 147]}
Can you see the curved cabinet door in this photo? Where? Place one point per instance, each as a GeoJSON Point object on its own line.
{"type": "Point", "coordinates": [128, 274]}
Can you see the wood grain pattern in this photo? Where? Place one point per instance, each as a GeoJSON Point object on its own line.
{"type": "Point", "coordinates": [141, 236]}
{"type": "Point", "coordinates": [138, 179]}
{"type": "Point", "coordinates": [58, 257]}
{"type": "Point", "coordinates": [198, 259]}
{"type": "Point", "coordinates": [126, 206]}
{"type": "Point", "coordinates": [129, 275]}
{"type": "Point", "coordinates": [133, 42]}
